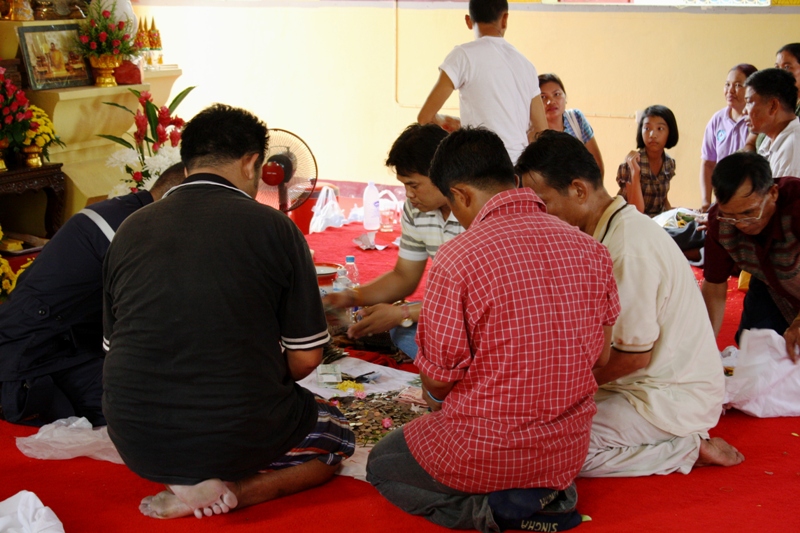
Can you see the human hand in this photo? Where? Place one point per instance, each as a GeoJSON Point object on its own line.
{"type": "Point", "coordinates": [792, 337]}
{"type": "Point", "coordinates": [705, 207]}
{"type": "Point", "coordinates": [633, 162]}
{"type": "Point", "coordinates": [376, 319]}
{"type": "Point", "coordinates": [339, 300]}
{"type": "Point", "coordinates": [702, 222]}
{"type": "Point", "coordinates": [451, 124]}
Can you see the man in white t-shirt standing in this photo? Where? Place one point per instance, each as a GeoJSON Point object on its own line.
{"type": "Point", "coordinates": [498, 87]}
{"type": "Point", "coordinates": [770, 99]}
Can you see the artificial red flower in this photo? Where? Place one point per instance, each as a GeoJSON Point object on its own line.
{"type": "Point", "coordinates": [162, 134]}
{"type": "Point", "coordinates": [92, 23]}
{"type": "Point", "coordinates": [21, 98]}
{"type": "Point", "coordinates": [106, 13]}
{"type": "Point", "coordinates": [115, 43]}
{"type": "Point", "coordinates": [34, 126]}
{"type": "Point", "coordinates": [28, 114]}
{"type": "Point", "coordinates": [141, 123]}
{"type": "Point", "coordinates": [156, 147]}
{"type": "Point", "coordinates": [175, 137]}
{"type": "Point", "coordinates": [103, 36]}
{"type": "Point", "coordinates": [20, 117]}
{"type": "Point", "coordinates": [164, 118]}
{"type": "Point", "coordinates": [121, 24]}
{"type": "Point", "coordinates": [14, 106]}
{"type": "Point", "coordinates": [111, 27]}
{"type": "Point", "coordinates": [177, 122]}
{"type": "Point", "coordinates": [115, 51]}
{"type": "Point", "coordinates": [84, 39]}
{"type": "Point", "coordinates": [6, 110]}
{"type": "Point", "coordinates": [137, 176]}
{"type": "Point", "coordinates": [144, 97]}
{"type": "Point", "coordinates": [9, 119]}
{"type": "Point", "coordinates": [134, 189]}
{"type": "Point", "coordinates": [126, 37]}
{"type": "Point", "coordinates": [93, 45]}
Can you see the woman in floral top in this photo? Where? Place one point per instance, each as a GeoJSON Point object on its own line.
{"type": "Point", "coordinates": [645, 175]}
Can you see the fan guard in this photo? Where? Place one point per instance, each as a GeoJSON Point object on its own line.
{"type": "Point", "coordinates": [291, 164]}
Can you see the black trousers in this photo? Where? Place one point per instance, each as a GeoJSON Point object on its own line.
{"type": "Point", "coordinates": [760, 311]}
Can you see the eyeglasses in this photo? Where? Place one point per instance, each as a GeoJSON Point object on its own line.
{"type": "Point", "coordinates": [746, 220]}
{"type": "Point", "coordinates": [736, 86]}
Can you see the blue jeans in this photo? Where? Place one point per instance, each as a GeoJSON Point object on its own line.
{"type": "Point", "coordinates": [405, 339]}
{"type": "Point", "coordinates": [400, 479]}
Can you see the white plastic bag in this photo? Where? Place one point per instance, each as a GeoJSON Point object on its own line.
{"type": "Point", "coordinates": [327, 213]}
{"type": "Point", "coordinates": [389, 202]}
{"type": "Point", "coordinates": [765, 382]}
{"type": "Point", "coordinates": [68, 438]}
{"type": "Point", "coordinates": [25, 513]}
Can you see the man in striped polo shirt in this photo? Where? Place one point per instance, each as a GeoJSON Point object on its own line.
{"type": "Point", "coordinates": [427, 224]}
{"type": "Point", "coordinates": [755, 226]}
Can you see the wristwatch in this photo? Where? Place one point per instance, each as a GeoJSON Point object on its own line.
{"type": "Point", "coordinates": [406, 322]}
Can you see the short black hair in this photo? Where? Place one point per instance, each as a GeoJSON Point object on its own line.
{"type": "Point", "coordinates": [413, 150]}
{"type": "Point", "coordinates": [774, 83]}
{"type": "Point", "coordinates": [551, 78]}
{"type": "Point", "coordinates": [732, 171]}
{"type": "Point", "coordinates": [221, 134]}
{"type": "Point", "coordinates": [171, 177]}
{"type": "Point", "coordinates": [487, 11]}
{"type": "Point", "coordinates": [791, 48]}
{"type": "Point", "coordinates": [745, 68]}
{"type": "Point", "coordinates": [473, 156]}
{"type": "Point", "coordinates": [665, 113]}
{"type": "Point", "coordinates": [559, 158]}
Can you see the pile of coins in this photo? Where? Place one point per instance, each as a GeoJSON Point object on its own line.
{"type": "Point", "coordinates": [372, 417]}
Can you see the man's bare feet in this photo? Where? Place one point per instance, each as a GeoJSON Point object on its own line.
{"type": "Point", "coordinates": [208, 498]}
{"type": "Point", "coordinates": [164, 505]}
{"type": "Point", "coordinates": [717, 452]}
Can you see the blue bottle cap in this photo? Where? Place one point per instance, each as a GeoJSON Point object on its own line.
{"type": "Point", "coordinates": [350, 259]}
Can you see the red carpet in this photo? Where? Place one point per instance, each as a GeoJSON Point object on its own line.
{"type": "Point", "coordinates": [758, 495]}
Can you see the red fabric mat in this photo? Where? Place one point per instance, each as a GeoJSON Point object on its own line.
{"type": "Point", "coordinates": [758, 495]}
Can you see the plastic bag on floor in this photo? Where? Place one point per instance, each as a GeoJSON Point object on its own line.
{"type": "Point", "coordinates": [69, 438]}
{"type": "Point", "coordinates": [765, 382]}
{"type": "Point", "coordinates": [24, 512]}
{"type": "Point", "coordinates": [327, 213]}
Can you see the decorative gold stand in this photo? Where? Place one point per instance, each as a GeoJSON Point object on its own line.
{"type": "Point", "coordinates": [103, 67]}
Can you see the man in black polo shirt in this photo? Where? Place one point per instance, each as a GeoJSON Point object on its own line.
{"type": "Point", "coordinates": [212, 313]}
{"type": "Point", "coordinates": [51, 328]}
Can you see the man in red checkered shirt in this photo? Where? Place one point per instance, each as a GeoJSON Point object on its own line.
{"type": "Point", "coordinates": [517, 312]}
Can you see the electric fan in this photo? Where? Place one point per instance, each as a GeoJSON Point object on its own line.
{"type": "Point", "coordinates": [290, 173]}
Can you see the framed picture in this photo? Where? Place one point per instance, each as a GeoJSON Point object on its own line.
{"type": "Point", "coordinates": [50, 61]}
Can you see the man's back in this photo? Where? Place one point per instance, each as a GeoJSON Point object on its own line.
{"type": "Point", "coordinates": [681, 390]}
{"type": "Point", "coordinates": [201, 290]}
{"type": "Point", "coordinates": [496, 84]}
{"type": "Point", "coordinates": [516, 306]}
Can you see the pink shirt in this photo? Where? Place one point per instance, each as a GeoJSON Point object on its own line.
{"type": "Point", "coordinates": [514, 312]}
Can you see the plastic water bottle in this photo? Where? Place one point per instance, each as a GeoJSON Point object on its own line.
{"type": "Point", "coordinates": [372, 208]}
{"type": "Point", "coordinates": [351, 269]}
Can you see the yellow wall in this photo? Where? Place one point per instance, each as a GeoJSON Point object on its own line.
{"type": "Point", "coordinates": [348, 79]}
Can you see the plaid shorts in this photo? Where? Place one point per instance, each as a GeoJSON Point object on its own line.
{"type": "Point", "coordinates": [330, 441]}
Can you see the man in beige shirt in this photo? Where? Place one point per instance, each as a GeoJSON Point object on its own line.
{"type": "Point", "coordinates": [663, 386]}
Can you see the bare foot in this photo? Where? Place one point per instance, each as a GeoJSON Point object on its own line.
{"type": "Point", "coordinates": [717, 452]}
{"type": "Point", "coordinates": [208, 498]}
{"type": "Point", "coordinates": [164, 505]}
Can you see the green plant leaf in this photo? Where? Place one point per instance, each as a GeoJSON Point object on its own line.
{"type": "Point", "coordinates": [117, 140]}
{"type": "Point", "coordinates": [121, 107]}
{"type": "Point", "coordinates": [178, 99]}
{"type": "Point", "coordinates": [136, 93]}
{"type": "Point", "coordinates": [152, 118]}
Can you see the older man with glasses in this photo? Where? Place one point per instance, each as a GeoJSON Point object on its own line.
{"type": "Point", "coordinates": [755, 226]}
